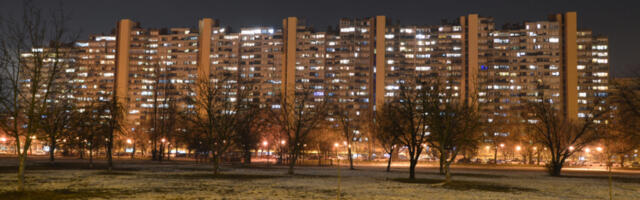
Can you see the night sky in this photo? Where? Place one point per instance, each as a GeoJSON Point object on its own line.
{"type": "Point", "coordinates": [613, 18]}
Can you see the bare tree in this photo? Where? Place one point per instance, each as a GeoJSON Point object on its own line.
{"type": "Point", "coordinates": [387, 130]}
{"type": "Point", "coordinates": [412, 120]}
{"type": "Point", "coordinates": [495, 133]}
{"type": "Point", "coordinates": [623, 131]}
{"type": "Point", "coordinates": [626, 98]}
{"type": "Point", "coordinates": [31, 58]}
{"type": "Point", "coordinates": [252, 121]}
{"type": "Point", "coordinates": [297, 117]}
{"type": "Point", "coordinates": [562, 136]}
{"type": "Point", "coordinates": [57, 118]}
{"type": "Point", "coordinates": [349, 124]}
{"type": "Point", "coordinates": [453, 126]}
{"type": "Point", "coordinates": [216, 115]}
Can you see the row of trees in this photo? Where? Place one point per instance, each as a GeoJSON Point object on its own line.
{"type": "Point", "coordinates": [428, 116]}
{"type": "Point", "coordinates": [36, 98]}
{"type": "Point", "coordinates": [35, 102]}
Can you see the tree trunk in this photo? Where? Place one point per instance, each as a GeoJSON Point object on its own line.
{"type": "Point", "coordinates": [90, 157]}
{"type": "Point", "coordinates": [442, 163]}
{"type": "Point", "coordinates": [389, 162]}
{"type": "Point", "coordinates": [81, 151]}
{"type": "Point", "coordinates": [216, 164]}
{"type": "Point", "coordinates": [370, 149]}
{"type": "Point", "coordinates": [555, 168]}
{"type": "Point", "coordinates": [292, 162]}
{"type": "Point", "coordinates": [350, 159]}
{"type": "Point", "coordinates": [412, 168]}
{"type": "Point", "coordinates": [247, 155]}
{"type": "Point", "coordinates": [169, 152]}
{"type": "Point", "coordinates": [154, 151]}
{"type": "Point", "coordinates": [133, 152]}
{"type": "Point", "coordinates": [538, 160]}
{"type": "Point", "coordinates": [447, 172]}
{"type": "Point", "coordinates": [495, 155]}
{"type": "Point", "coordinates": [109, 155]}
{"type": "Point", "coordinates": [52, 149]}
{"type": "Point", "coordinates": [621, 161]}
{"type": "Point", "coordinates": [21, 166]}
{"type": "Point", "coordinates": [160, 153]}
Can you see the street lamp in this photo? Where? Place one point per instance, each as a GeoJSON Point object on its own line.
{"type": "Point", "coordinates": [265, 144]}
{"type": "Point", "coordinates": [504, 157]}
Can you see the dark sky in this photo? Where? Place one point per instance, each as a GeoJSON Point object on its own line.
{"type": "Point", "coordinates": [616, 19]}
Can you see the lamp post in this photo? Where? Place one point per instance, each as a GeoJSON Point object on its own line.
{"type": "Point", "coordinates": [3, 140]}
{"type": "Point", "coordinates": [503, 155]}
{"type": "Point", "coordinates": [133, 149]}
{"type": "Point", "coordinates": [162, 149]}
{"type": "Point", "coordinates": [266, 144]}
{"type": "Point", "coordinates": [518, 148]}
{"type": "Point", "coordinates": [336, 145]}
{"type": "Point", "coordinates": [281, 152]}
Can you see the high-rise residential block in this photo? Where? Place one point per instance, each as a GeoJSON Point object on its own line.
{"type": "Point", "coordinates": [356, 66]}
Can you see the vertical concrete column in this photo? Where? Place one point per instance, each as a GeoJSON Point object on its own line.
{"type": "Point", "coordinates": [469, 79]}
{"type": "Point", "coordinates": [381, 62]}
{"type": "Point", "coordinates": [123, 44]}
{"type": "Point", "coordinates": [204, 49]}
{"type": "Point", "coordinates": [290, 26]}
{"type": "Point", "coordinates": [570, 64]}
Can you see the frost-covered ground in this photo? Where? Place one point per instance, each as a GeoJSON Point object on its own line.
{"type": "Point", "coordinates": [187, 180]}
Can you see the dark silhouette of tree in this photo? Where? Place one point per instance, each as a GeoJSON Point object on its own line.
{"type": "Point", "coordinates": [387, 130]}
{"type": "Point", "coordinates": [216, 115]}
{"type": "Point", "coordinates": [32, 57]}
{"type": "Point", "coordinates": [296, 118]}
{"type": "Point", "coordinates": [563, 136]}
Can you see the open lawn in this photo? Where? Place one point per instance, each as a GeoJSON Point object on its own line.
{"type": "Point", "coordinates": [71, 179]}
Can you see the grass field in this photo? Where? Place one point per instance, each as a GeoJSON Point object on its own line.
{"type": "Point", "coordinates": [71, 179]}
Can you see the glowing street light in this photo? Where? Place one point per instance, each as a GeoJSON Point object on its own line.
{"type": "Point", "coordinates": [3, 139]}
{"type": "Point", "coordinates": [128, 141]}
{"type": "Point", "coordinates": [162, 140]}
{"type": "Point", "coordinates": [502, 145]}
{"type": "Point", "coordinates": [599, 149]}
{"type": "Point", "coordinates": [336, 144]}
{"type": "Point", "coordinates": [283, 142]}
{"type": "Point", "coordinates": [587, 150]}
{"type": "Point", "coordinates": [571, 148]}
{"type": "Point", "coordinates": [265, 143]}
{"type": "Point", "coordinates": [518, 148]}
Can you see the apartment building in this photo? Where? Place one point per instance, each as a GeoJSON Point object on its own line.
{"type": "Point", "coordinates": [356, 67]}
{"type": "Point", "coordinates": [593, 71]}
